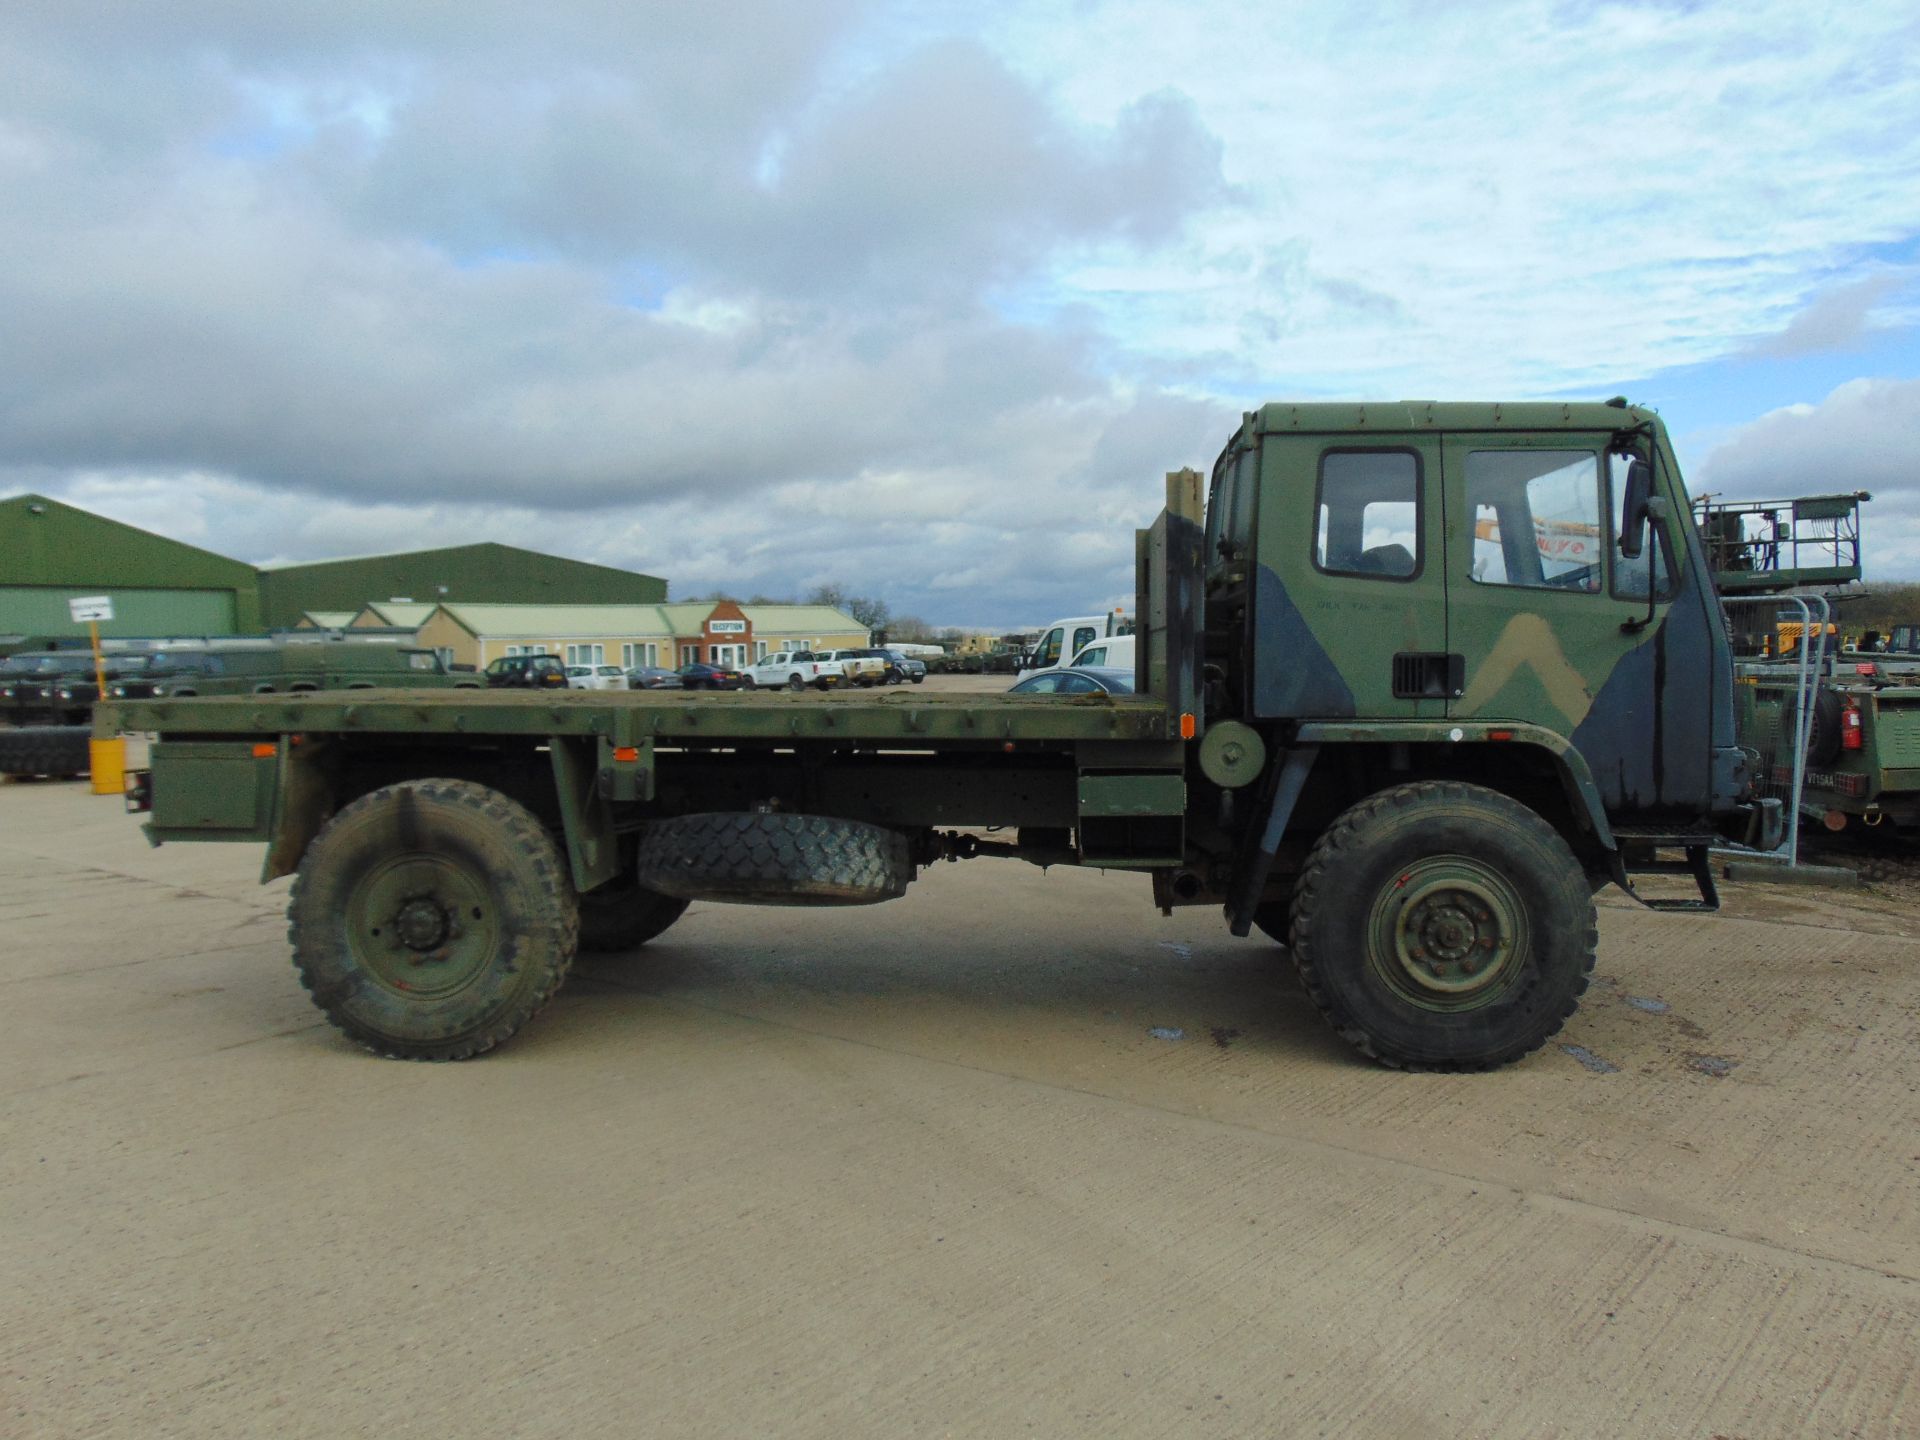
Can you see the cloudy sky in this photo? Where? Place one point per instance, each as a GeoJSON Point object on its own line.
{"type": "Point", "coordinates": [920, 297]}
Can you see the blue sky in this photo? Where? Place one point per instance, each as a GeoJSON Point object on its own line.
{"type": "Point", "coordinates": [921, 298]}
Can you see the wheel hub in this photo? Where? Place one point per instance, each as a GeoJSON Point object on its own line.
{"type": "Point", "coordinates": [423, 924]}
{"type": "Point", "coordinates": [1446, 931]}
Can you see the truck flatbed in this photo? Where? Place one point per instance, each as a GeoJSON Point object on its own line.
{"type": "Point", "coordinates": [759, 715]}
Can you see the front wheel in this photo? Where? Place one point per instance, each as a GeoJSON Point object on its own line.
{"type": "Point", "coordinates": [746, 682]}
{"type": "Point", "coordinates": [1443, 926]}
{"type": "Point", "coordinates": [432, 919]}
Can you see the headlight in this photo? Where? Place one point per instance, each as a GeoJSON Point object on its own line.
{"type": "Point", "coordinates": [159, 690]}
{"type": "Point", "coordinates": [119, 692]}
{"type": "Point", "coordinates": [64, 694]}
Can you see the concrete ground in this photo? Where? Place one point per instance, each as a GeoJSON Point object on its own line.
{"type": "Point", "coordinates": [1013, 1155]}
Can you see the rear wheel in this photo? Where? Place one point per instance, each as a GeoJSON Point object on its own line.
{"type": "Point", "coordinates": [623, 915]}
{"type": "Point", "coordinates": [432, 919]}
{"type": "Point", "coordinates": [1443, 926]}
{"type": "Point", "coordinates": [795, 683]}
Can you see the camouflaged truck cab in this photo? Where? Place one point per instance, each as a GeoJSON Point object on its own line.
{"type": "Point", "coordinates": [1484, 645]}
{"type": "Point", "coordinates": [1419, 680]}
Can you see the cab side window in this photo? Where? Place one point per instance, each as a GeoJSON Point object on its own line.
{"type": "Point", "coordinates": [1632, 576]}
{"type": "Point", "coordinates": [1536, 518]}
{"type": "Point", "coordinates": [1367, 514]}
{"type": "Point", "coordinates": [1230, 505]}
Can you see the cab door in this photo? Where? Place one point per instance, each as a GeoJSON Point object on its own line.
{"type": "Point", "coordinates": [1349, 586]}
{"type": "Point", "coordinates": [1556, 628]}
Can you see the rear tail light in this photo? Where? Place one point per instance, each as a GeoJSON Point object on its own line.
{"type": "Point", "coordinates": [1850, 736]}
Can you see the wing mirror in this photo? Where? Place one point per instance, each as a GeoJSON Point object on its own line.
{"type": "Point", "coordinates": [1633, 516]}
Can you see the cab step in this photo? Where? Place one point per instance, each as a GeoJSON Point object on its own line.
{"type": "Point", "coordinates": [1638, 852]}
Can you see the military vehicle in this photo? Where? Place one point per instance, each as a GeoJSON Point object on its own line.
{"type": "Point", "coordinates": [1426, 678]}
{"type": "Point", "coordinates": [1852, 714]}
{"type": "Point", "coordinates": [293, 667]}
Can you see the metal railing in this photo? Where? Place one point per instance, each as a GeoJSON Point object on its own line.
{"type": "Point", "coordinates": [1782, 776]}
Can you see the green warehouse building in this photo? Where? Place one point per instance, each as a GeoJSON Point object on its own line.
{"type": "Point", "coordinates": [51, 553]}
{"type": "Point", "coordinates": [475, 574]}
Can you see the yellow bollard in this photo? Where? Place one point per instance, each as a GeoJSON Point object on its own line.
{"type": "Point", "coordinates": [109, 759]}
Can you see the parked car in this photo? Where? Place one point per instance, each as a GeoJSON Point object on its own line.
{"type": "Point", "coordinates": [653, 677]}
{"type": "Point", "coordinates": [39, 687]}
{"type": "Point", "coordinates": [796, 670]}
{"type": "Point", "coordinates": [1067, 680]}
{"type": "Point", "coordinates": [303, 666]}
{"type": "Point", "coordinates": [898, 667]}
{"type": "Point", "coordinates": [526, 672]}
{"type": "Point", "coordinates": [702, 676]}
{"type": "Point", "coordinates": [596, 677]}
{"type": "Point", "coordinates": [912, 668]}
{"type": "Point", "coordinates": [859, 666]}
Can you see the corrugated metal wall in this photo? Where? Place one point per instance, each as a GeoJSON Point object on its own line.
{"type": "Point", "coordinates": [40, 610]}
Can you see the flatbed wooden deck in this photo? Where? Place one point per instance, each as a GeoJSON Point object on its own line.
{"type": "Point", "coordinates": [629, 717]}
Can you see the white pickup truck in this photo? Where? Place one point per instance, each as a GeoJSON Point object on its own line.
{"type": "Point", "coordinates": [822, 669]}
{"type": "Point", "coordinates": [859, 666]}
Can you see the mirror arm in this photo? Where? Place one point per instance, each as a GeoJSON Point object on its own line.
{"type": "Point", "coordinates": [1656, 513]}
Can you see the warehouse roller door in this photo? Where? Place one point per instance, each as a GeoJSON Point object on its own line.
{"type": "Point", "coordinates": [42, 610]}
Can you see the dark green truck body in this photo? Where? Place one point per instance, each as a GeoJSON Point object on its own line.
{"type": "Point", "coordinates": [1402, 625]}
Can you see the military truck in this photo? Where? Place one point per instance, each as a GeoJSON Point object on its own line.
{"type": "Point", "coordinates": [1424, 679]}
{"type": "Point", "coordinates": [1859, 736]}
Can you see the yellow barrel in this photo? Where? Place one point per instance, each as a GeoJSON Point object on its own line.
{"type": "Point", "coordinates": [109, 765]}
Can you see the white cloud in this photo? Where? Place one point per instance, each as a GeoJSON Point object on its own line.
{"type": "Point", "coordinates": [1531, 197]}
{"type": "Point", "coordinates": [1865, 435]}
{"type": "Point", "coordinates": [920, 298]}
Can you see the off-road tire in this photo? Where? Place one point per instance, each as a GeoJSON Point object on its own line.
{"type": "Point", "coordinates": [774, 859]}
{"type": "Point", "coordinates": [496, 881]}
{"type": "Point", "coordinates": [56, 750]}
{"type": "Point", "coordinates": [796, 684]}
{"type": "Point", "coordinates": [747, 682]}
{"type": "Point", "coordinates": [623, 915]}
{"type": "Point", "coordinates": [1823, 726]}
{"type": "Point", "coordinates": [1348, 893]}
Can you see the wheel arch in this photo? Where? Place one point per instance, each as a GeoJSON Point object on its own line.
{"type": "Point", "coordinates": [1486, 754]}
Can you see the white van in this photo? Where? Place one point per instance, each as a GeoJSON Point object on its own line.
{"type": "Point", "coordinates": [1115, 650]}
{"type": "Point", "coordinates": [1064, 639]}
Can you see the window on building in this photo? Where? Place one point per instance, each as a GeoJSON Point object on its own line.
{"type": "Point", "coordinates": [689, 654]}
{"type": "Point", "coordinates": [586, 654]}
{"type": "Point", "coordinates": [1368, 513]}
